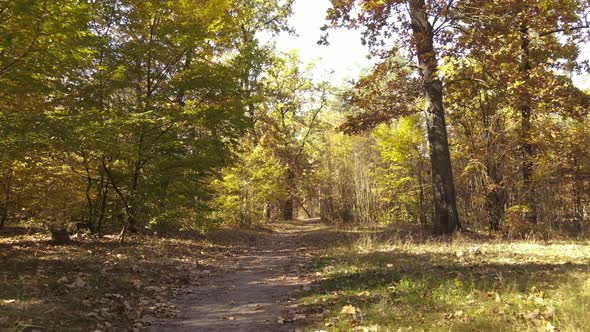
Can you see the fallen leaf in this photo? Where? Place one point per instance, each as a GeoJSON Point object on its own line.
{"type": "Point", "coordinates": [78, 283]}
{"type": "Point", "coordinates": [137, 283]}
{"type": "Point", "coordinates": [348, 309]}
{"type": "Point", "coordinates": [475, 251]}
{"type": "Point", "coordinates": [549, 312]}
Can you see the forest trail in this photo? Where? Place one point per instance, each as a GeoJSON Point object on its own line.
{"type": "Point", "coordinates": [258, 293]}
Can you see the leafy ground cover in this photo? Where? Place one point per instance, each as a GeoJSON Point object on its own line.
{"type": "Point", "coordinates": [364, 280]}
{"type": "Point", "coordinates": [377, 283]}
{"type": "Point", "coordinates": [100, 284]}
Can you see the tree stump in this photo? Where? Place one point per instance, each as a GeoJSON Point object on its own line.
{"type": "Point", "coordinates": [60, 236]}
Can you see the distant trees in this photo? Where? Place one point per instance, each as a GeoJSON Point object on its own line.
{"type": "Point", "coordinates": [494, 60]}
{"type": "Point", "coordinates": [532, 41]}
{"type": "Point", "coordinates": [276, 158]}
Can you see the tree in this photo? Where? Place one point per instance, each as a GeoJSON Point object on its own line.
{"type": "Point", "coordinates": [529, 39]}
{"type": "Point", "coordinates": [402, 168]}
{"type": "Point", "coordinates": [42, 45]}
{"type": "Point", "coordinates": [421, 23]}
{"type": "Point", "coordinates": [172, 108]}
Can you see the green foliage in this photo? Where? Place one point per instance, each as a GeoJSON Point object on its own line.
{"type": "Point", "coordinates": [246, 189]}
{"type": "Point", "coordinates": [402, 174]}
{"type": "Point", "coordinates": [276, 159]}
{"type": "Point", "coordinates": [145, 107]}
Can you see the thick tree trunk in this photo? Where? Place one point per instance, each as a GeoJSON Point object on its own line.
{"type": "Point", "coordinates": [446, 218]}
{"type": "Point", "coordinates": [421, 207]}
{"type": "Point", "coordinates": [528, 190]}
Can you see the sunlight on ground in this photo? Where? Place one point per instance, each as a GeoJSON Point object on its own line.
{"type": "Point", "coordinates": [461, 286]}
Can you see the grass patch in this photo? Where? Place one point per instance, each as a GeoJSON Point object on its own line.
{"type": "Point", "coordinates": [466, 285]}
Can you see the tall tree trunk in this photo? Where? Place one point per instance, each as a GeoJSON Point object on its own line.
{"type": "Point", "coordinates": [7, 198]}
{"type": "Point", "coordinates": [3, 216]}
{"type": "Point", "coordinates": [446, 217]}
{"type": "Point", "coordinates": [528, 189]}
{"type": "Point", "coordinates": [496, 197]}
{"type": "Point", "coordinates": [288, 206]}
{"type": "Point", "coordinates": [421, 208]}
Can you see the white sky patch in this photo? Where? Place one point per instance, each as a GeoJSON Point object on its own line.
{"type": "Point", "coordinates": [338, 62]}
{"type": "Point", "coordinates": [583, 81]}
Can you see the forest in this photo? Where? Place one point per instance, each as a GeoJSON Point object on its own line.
{"type": "Point", "coordinates": [154, 149]}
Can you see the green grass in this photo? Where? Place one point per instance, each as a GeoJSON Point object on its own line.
{"type": "Point", "coordinates": [466, 285]}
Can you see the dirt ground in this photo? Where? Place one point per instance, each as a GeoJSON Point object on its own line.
{"type": "Point", "coordinates": [228, 280]}
{"type": "Point", "coordinates": [258, 293]}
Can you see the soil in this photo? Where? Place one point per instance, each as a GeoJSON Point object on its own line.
{"type": "Point", "coordinates": [258, 291]}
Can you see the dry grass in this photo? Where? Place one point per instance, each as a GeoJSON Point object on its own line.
{"type": "Point", "coordinates": [403, 282]}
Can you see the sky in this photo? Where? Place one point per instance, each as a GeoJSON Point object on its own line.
{"type": "Point", "coordinates": [345, 57]}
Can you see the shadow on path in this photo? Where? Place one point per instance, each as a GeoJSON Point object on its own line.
{"type": "Point", "coordinates": [258, 293]}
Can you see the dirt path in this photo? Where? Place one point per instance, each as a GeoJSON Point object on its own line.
{"type": "Point", "coordinates": [258, 295]}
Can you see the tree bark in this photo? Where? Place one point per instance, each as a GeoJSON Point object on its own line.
{"type": "Point", "coordinates": [288, 206]}
{"type": "Point", "coordinates": [3, 217]}
{"type": "Point", "coordinates": [103, 204]}
{"type": "Point", "coordinates": [446, 218]}
{"type": "Point", "coordinates": [526, 145]}
{"type": "Point", "coordinates": [421, 208]}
